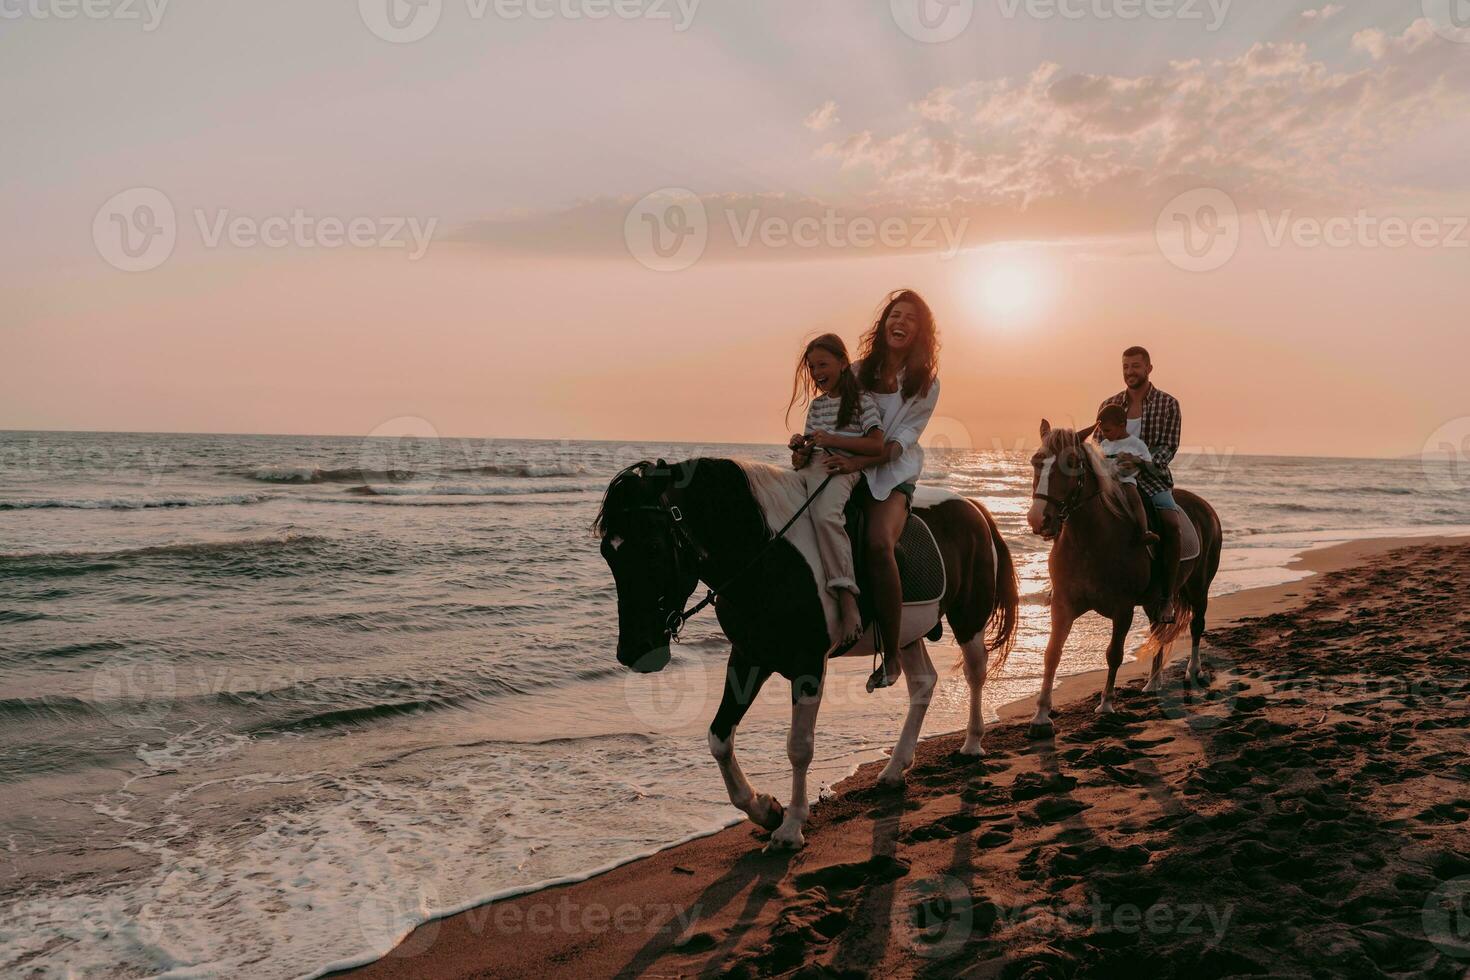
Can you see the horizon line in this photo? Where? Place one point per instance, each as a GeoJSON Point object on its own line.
{"type": "Point", "coordinates": [1420, 456]}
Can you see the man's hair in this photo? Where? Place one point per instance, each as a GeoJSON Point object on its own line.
{"type": "Point", "coordinates": [1113, 415]}
{"type": "Point", "coordinates": [1139, 352]}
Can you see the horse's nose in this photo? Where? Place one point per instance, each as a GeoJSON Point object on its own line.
{"type": "Point", "coordinates": [1036, 516]}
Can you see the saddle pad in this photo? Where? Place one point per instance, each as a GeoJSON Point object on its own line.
{"type": "Point", "coordinates": [920, 566]}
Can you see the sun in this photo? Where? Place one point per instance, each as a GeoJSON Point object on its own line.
{"type": "Point", "coordinates": [1008, 289]}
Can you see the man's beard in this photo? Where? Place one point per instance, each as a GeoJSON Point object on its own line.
{"type": "Point", "coordinates": [1135, 385]}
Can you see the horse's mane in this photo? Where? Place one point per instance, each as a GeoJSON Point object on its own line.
{"type": "Point", "coordinates": [1111, 491]}
{"type": "Point", "coordinates": [617, 497]}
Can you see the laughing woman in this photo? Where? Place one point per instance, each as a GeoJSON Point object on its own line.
{"type": "Point", "coordinates": [899, 367]}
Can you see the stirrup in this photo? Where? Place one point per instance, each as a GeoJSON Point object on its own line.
{"type": "Point", "coordinates": [879, 679]}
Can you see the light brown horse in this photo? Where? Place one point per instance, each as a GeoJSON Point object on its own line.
{"type": "Point", "coordinates": [1099, 563]}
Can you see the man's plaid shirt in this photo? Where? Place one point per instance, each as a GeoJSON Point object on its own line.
{"type": "Point", "coordinates": [1159, 431]}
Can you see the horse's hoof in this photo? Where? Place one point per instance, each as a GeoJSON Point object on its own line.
{"type": "Point", "coordinates": [1153, 686]}
{"type": "Point", "coordinates": [1040, 731]}
{"type": "Point", "coordinates": [780, 844]}
{"type": "Point", "coordinates": [773, 812]}
{"type": "Point", "coordinates": [1201, 678]}
{"type": "Point", "coordinates": [973, 750]}
{"type": "Point", "coordinates": [1105, 708]}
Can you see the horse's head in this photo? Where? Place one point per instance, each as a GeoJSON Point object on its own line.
{"type": "Point", "coordinates": [651, 561]}
{"type": "Point", "coordinates": [1061, 469]}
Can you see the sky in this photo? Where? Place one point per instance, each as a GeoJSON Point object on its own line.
{"type": "Point", "coordinates": [620, 219]}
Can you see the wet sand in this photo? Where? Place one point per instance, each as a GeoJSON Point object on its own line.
{"type": "Point", "coordinates": [1305, 815]}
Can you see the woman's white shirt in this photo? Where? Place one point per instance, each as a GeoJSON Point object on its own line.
{"type": "Point", "coordinates": [903, 422]}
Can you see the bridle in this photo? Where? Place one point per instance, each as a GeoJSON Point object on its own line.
{"type": "Point", "coordinates": [682, 541]}
{"type": "Point", "coordinates": [1073, 501]}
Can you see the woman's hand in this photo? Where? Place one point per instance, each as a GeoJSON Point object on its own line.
{"type": "Point", "coordinates": [844, 464]}
{"type": "Point", "coordinates": [796, 442]}
{"type": "Point", "coordinates": [822, 440]}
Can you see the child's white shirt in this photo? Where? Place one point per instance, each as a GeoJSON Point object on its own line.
{"type": "Point", "coordinates": [1112, 448]}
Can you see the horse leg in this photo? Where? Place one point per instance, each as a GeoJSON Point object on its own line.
{"type": "Point", "coordinates": [1155, 681]}
{"type": "Point", "coordinates": [975, 666]}
{"type": "Point", "coordinates": [743, 681]}
{"type": "Point", "coordinates": [806, 698]}
{"type": "Point", "coordinates": [1121, 625]}
{"type": "Point", "coordinates": [1198, 676]}
{"type": "Point", "coordinates": [919, 671]}
{"type": "Point", "coordinates": [1061, 628]}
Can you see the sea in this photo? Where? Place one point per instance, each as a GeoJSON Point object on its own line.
{"type": "Point", "coordinates": [269, 702]}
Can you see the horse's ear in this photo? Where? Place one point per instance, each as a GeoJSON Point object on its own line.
{"type": "Point", "coordinates": [1045, 428]}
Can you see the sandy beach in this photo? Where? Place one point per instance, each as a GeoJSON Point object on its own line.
{"type": "Point", "coordinates": [1304, 816]}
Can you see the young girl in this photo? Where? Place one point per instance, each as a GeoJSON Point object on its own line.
{"type": "Point", "coordinates": [842, 423]}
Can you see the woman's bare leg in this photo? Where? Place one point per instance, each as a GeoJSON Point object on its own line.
{"type": "Point", "coordinates": [886, 519]}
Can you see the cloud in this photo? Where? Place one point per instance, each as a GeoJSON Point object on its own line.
{"type": "Point", "coordinates": [824, 118]}
{"type": "Point", "coordinates": [1054, 155]}
{"type": "Point", "coordinates": [1271, 123]}
{"type": "Point", "coordinates": [1322, 14]}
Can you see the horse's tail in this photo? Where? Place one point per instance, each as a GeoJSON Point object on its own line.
{"type": "Point", "coordinates": [1006, 614]}
{"type": "Point", "coordinates": [1160, 635]}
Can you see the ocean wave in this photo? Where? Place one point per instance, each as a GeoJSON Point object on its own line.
{"type": "Point", "coordinates": [314, 474]}
{"type": "Point", "coordinates": [201, 548]}
{"type": "Point", "coordinates": [471, 490]}
{"type": "Point", "coordinates": [536, 471]}
{"type": "Point", "coordinates": [136, 503]}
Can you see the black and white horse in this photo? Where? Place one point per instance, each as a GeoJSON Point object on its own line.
{"type": "Point", "coordinates": [666, 527]}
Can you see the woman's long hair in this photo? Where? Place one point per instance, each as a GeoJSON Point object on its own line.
{"type": "Point", "coordinates": [804, 389]}
{"type": "Point", "coordinates": [922, 364]}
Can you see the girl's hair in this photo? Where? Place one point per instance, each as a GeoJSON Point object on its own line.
{"type": "Point", "coordinates": [922, 364]}
{"type": "Point", "coordinates": [804, 389]}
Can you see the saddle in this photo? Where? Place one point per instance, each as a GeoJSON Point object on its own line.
{"type": "Point", "coordinates": [920, 569]}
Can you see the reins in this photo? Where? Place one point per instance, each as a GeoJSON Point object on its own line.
{"type": "Point", "coordinates": [677, 620]}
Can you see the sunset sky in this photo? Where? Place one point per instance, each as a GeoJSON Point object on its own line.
{"type": "Point", "coordinates": [1035, 175]}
